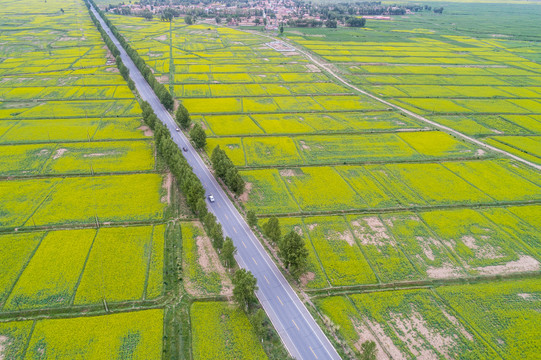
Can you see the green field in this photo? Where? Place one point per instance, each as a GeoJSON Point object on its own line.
{"type": "Point", "coordinates": [220, 331]}
{"type": "Point", "coordinates": [74, 157]}
{"type": "Point", "coordinates": [422, 241]}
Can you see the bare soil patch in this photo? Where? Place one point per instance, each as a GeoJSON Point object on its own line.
{"type": "Point", "coordinates": [409, 327]}
{"type": "Point", "coordinates": [524, 264]}
{"type": "Point", "coordinates": [377, 234]}
{"type": "Point", "coordinates": [210, 262]}
{"type": "Point", "coordinates": [4, 342]}
{"type": "Point", "coordinates": [364, 336]}
{"type": "Point", "coordinates": [306, 278]}
{"type": "Point", "coordinates": [312, 226]}
{"type": "Point", "coordinates": [386, 341]}
{"type": "Point", "coordinates": [457, 324]}
{"type": "Point", "coordinates": [146, 130]}
{"type": "Point", "coordinates": [44, 152]}
{"type": "Point", "coordinates": [443, 272]}
{"type": "Point", "coordinates": [246, 194]}
{"type": "Point", "coordinates": [167, 181]}
{"type": "Point", "coordinates": [58, 153]}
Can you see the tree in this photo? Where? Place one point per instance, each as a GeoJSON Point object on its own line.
{"type": "Point", "coordinates": [245, 285]}
{"type": "Point", "coordinates": [356, 22]}
{"type": "Point", "coordinates": [252, 218]}
{"type": "Point", "coordinates": [218, 20]}
{"type": "Point", "coordinates": [198, 136]}
{"type": "Point", "coordinates": [368, 350]}
{"type": "Point", "coordinates": [168, 15]}
{"type": "Point", "coordinates": [438, 10]}
{"type": "Point", "coordinates": [272, 229]}
{"type": "Point", "coordinates": [293, 252]}
{"type": "Point", "coordinates": [257, 21]}
{"type": "Point", "coordinates": [217, 235]}
{"type": "Point", "coordinates": [147, 14]}
{"type": "Point", "coordinates": [228, 252]}
{"type": "Point", "coordinates": [201, 208]}
{"type": "Point", "coordinates": [188, 20]}
{"type": "Point", "coordinates": [281, 29]}
{"type": "Point", "coordinates": [258, 323]}
{"type": "Point", "coordinates": [331, 23]}
{"type": "Point", "coordinates": [182, 116]}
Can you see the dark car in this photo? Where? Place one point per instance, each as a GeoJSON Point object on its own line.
{"type": "Point", "coordinates": [185, 148]}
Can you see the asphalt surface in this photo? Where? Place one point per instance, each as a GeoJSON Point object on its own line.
{"type": "Point", "coordinates": [299, 332]}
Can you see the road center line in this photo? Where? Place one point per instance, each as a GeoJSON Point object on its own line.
{"type": "Point", "coordinates": [295, 324]}
{"type": "Point", "coordinates": [244, 244]}
{"type": "Point", "coordinates": [254, 260]}
{"type": "Point", "coordinates": [312, 350]}
{"type": "Point", "coordinates": [280, 300]}
{"type": "Point", "coordinates": [266, 279]}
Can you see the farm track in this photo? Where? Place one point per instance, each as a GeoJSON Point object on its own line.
{"type": "Point", "coordinates": [327, 69]}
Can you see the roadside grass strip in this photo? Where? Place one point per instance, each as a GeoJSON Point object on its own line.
{"type": "Point", "coordinates": [204, 273]}
{"type": "Point", "coordinates": [133, 335]}
{"type": "Point", "coordinates": [223, 331]}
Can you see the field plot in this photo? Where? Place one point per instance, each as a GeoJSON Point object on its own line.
{"type": "Point", "coordinates": [66, 117]}
{"type": "Point", "coordinates": [442, 76]}
{"type": "Point", "coordinates": [60, 267]}
{"type": "Point", "coordinates": [128, 252]}
{"type": "Point", "coordinates": [135, 335]}
{"type": "Point", "coordinates": [222, 331]}
{"type": "Point", "coordinates": [341, 258]}
{"type": "Point", "coordinates": [204, 272]}
{"type": "Point", "coordinates": [506, 314]}
{"type": "Point", "coordinates": [87, 158]}
{"type": "Point", "coordinates": [414, 323]}
{"type": "Point", "coordinates": [105, 198]}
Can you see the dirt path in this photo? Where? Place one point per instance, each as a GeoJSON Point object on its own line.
{"type": "Point", "coordinates": [326, 67]}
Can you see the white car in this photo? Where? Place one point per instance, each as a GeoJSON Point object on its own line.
{"type": "Point", "coordinates": [178, 129]}
{"type": "Point", "coordinates": [211, 198]}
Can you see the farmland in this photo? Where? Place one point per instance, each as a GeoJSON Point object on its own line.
{"type": "Point", "coordinates": [420, 240]}
{"type": "Point", "coordinates": [82, 224]}
{"type": "Point", "coordinates": [380, 198]}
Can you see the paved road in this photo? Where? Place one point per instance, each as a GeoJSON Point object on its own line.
{"type": "Point", "coordinates": [300, 333]}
